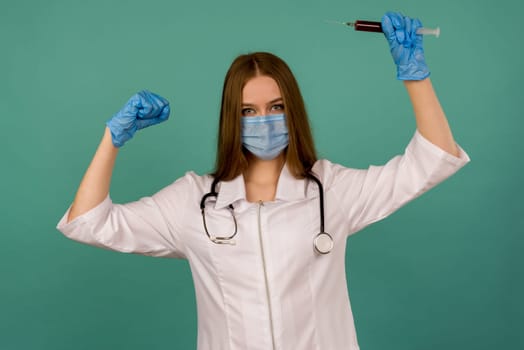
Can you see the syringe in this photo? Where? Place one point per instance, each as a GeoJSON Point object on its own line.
{"type": "Point", "coordinates": [371, 26]}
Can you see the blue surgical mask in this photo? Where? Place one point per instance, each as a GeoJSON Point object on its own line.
{"type": "Point", "coordinates": [265, 136]}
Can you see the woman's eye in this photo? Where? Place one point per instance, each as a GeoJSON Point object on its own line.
{"type": "Point", "coordinates": [248, 111]}
{"type": "Point", "coordinates": [278, 107]}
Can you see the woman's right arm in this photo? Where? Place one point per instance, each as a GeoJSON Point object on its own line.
{"type": "Point", "coordinates": [141, 110]}
{"type": "Point", "coordinates": [139, 227]}
{"type": "Point", "coordinates": [94, 187]}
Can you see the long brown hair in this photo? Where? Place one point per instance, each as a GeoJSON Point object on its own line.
{"type": "Point", "coordinates": [231, 160]}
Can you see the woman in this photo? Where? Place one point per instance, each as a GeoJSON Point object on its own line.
{"type": "Point", "coordinates": [264, 277]}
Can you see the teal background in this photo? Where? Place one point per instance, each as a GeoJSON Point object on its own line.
{"type": "Point", "coordinates": [444, 272]}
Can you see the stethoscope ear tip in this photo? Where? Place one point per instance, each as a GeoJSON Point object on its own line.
{"type": "Point", "coordinates": [223, 241]}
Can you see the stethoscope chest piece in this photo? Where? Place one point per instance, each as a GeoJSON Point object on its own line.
{"type": "Point", "coordinates": [323, 243]}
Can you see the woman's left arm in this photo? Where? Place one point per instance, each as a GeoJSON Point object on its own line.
{"type": "Point", "coordinates": [406, 48]}
{"type": "Point", "coordinates": [431, 120]}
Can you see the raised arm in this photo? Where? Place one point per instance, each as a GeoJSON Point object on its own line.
{"type": "Point", "coordinates": [142, 110]}
{"type": "Point", "coordinates": [94, 187]}
{"type": "Point", "coordinates": [408, 54]}
{"type": "Point", "coordinates": [431, 120]}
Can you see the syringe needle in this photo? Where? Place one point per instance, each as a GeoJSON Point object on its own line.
{"type": "Point", "coordinates": [367, 26]}
{"type": "Point", "coordinates": [338, 22]}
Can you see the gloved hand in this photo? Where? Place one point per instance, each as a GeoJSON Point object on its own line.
{"type": "Point", "coordinates": [142, 110]}
{"type": "Point", "coordinates": [405, 46]}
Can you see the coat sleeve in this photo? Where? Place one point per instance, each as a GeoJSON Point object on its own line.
{"type": "Point", "coordinates": [149, 226]}
{"type": "Point", "coordinates": [369, 195]}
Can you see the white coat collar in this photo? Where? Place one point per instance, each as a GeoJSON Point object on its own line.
{"type": "Point", "coordinates": [288, 189]}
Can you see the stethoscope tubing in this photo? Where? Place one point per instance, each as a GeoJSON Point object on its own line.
{"type": "Point", "coordinates": [323, 242]}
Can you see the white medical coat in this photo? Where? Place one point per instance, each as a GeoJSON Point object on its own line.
{"type": "Point", "coordinates": [270, 289]}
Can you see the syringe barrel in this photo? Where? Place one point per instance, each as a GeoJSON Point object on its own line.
{"type": "Point", "coordinates": [368, 26]}
{"type": "Point", "coordinates": [372, 26]}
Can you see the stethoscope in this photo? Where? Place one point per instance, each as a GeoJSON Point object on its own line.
{"type": "Point", "coordinates": [323, 242]}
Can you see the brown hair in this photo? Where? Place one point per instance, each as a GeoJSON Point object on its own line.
{"type": "Point", "coordinates": [231, 160]}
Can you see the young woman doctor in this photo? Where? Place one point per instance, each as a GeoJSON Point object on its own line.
{"type": "Point", "coordinates": [265, 234]}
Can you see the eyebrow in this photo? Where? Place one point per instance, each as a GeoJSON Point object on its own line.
{"type": "Point", "coordinates": [279, 99]}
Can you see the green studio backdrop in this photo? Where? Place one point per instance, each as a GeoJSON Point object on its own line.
{"type": "Point", "coordinates": [444, 272]}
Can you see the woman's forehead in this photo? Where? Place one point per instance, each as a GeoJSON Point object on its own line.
{"type": "Point", "coordinates": [260, 89]}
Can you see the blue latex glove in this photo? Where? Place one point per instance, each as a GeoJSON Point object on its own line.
{"type": "Point", "coordinates": [142, 110]}
{"type": "Point", "coordinates": [405, 46]}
